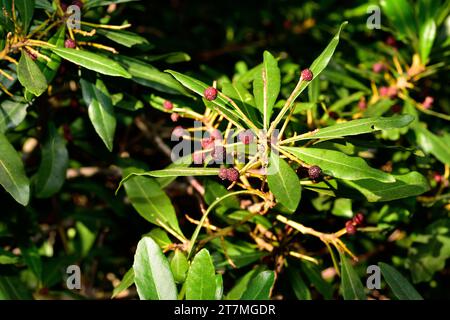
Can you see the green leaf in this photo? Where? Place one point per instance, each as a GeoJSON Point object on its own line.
{"type": "Point", "coordinates": [243, 99]}
{"type": "Point", "coordinates": [401, 16]}
{"type": "Point", "coordinates": [315, 277]}
{"type": "Point", "coordinates": [426, 38]}
{"type": "Point", "coordinates": [406, 185]}
{"type": "Point", "coordinates": [12, 288]}
{"type": "Point", "coordinates": [150, 201]}
{"type": "Point", "coordinates": [127, 281]}
{"type": "Point", "coordinates": [355, 127]}
{"type": "Point", "coordinates": [30, 76]}
{"type": "Point", "coordinates": [179, 266]}
{"type": "Point", "coordinates": [54, 162]}
{"type": "Point", "coordinates": [92, 61]}
{"type": "Point", "coordinates": [12, 173]}
{"type": "Point", "coordinates": [242, 284]}
{"type": "Point", "coordinates": [339, 165]}
{"type": "Point", "coordinates": [322, 61]}
{"type": "Point", "coordinates": [100, 110]}
{"type": "Point", "coordinates": [342, 208]}
{"type": "Point", "coordinates": [171, 57]}
{"type": "Point", "coordinates": [266, 87]}
{"type": "Point", "coordinates": [299, 286]}
{"type": "Point", "coordinates": [401, 287]}
{"type": "Point", "coordinates": [182, 162]}
{"type": "Point", "coordinates": [260, 286]}
{"type": "Point", "coordinates": [152, 275]}
{"type": "Point", "coordinates": [201, 280]}
{"type": "Point", "coordinates": [147, 75]}
{"type": "Point", "coordinates": [125, 38]}
{"type": "Point", "coordinates": [199, 88]}
{"type": "Point", "coordinates": [50, 68]}
{"type": "Point", "coordinates": [160, 236]}
{"type": "Point", "coordinates": [12, 113]}
{"type": "Point", "coordinates": [434, 144]}
{"type": "Point", "coordinates": [284, 183]}
{"type": "Point", "coordinates": [352, 288]}
{"type": "Point", "coordinates": [219, 287]}
{"type": "Point", "coordinates": [33, 260]}
{"type": "Point", "coordinates": [26, 10]}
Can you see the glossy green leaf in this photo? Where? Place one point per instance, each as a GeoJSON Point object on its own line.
{"type": "Point", "coordinates": [284, 183]}
{"type": "Point", "coordinates": [12, 173]}
{"type": "Point", "coordinates": [406, 185]}
{"type": "Point", "coordinates": [26, 10]}
{"type": "Point", "coordinates": [321, 62]}
{"type": "Point", "coordinates": [201, 279]}
{"type": "Point", "coordinates": [426, 38]}
{"type": "Point", "coordinates": [160, 236]}
{"type": "Point", "coordinates": [92, 61]}
{"type": "Point", "coordinates": [12, 113]}
{"type": "Point", "coordinates": [152, 275]}
{"type": "Point", "coordinates": [266, 87]}
{"type": "Point", "coordinates": [242, 284]}
{"type": "Point", "coordinates": [360, 126]}
{"type": "Point", "coordinates": [127, 281]}
{"type": "Point", "coordinates": [352, 288]}
{"type": "Point", "coordinates": [150, 201]}
{"type": "Point", "coordinates": [315, 277]}
{"type": "Point", "coordinates": [260, 286]}
{"type": "Point", "coordinates": [125, 38]}
{"type": "Point", "coordinates": [298, 284]}
{"type": "Point", "coordinates": [401, 287]}
{"type": "Point", "coordinates": [54, 162]}
{"type": "Point", "coordinates": [243, 99]}
{"type": "Point", "coordinates": [50, 68]}
{"type": "Point", "coordinates": [182, 162]}
{"type": "Point", "coordinates": [30, 76]}
{"type": "Point", "coordinates": [100, 109]}
{"type": "Point", "coordinates": [430, 143]}
{"type": "Point", "coordinates": [199, 88]}
{"type": "Point", "coordinates": [179, 266]}
{"type": "Point", "coordinates": [401, 16]}
{"type": "Point", "coordinates": [339, 165]}
{"type": "Point", "coordinates": [147, 75]}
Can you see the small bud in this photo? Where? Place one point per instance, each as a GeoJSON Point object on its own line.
{"type": "Point", "coordinates": [428, 102]}
{"type": "Point", "coordinates": [168, 105]}
{"type": "Point", "coordinates": [307, 75]}
{"type": "Point", "coordinates": [358, 219]}
{"type": "Point", "coordinates": [223, 173]}
{"type": "Point", "coordinates": [232, 174]}
{"type": "Point", "coordinates": [314, 172]}
{"type": "Point", "coordinates": [351, 229]}
{"type": "Point", "coordinates": [174, 117]}
{"type": "Point", "coordinates": [178, 131]}
{"type": "Point", "coordinates": [210, 93]}
{"type": "Point", "coordinates": [70, 43]}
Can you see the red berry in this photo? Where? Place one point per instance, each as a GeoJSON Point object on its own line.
{"type": "Point", "coordinates": [307, 75]}
{"type": "Point", "coordinates": [174, 116]}
{"type": "Point", "coordinates": [223, 173]}
{"type": "Point", "coordinates": [232, 174]}
{"type": "Point", "coordinates": [70, 43]}
{"type": "Point", "coordinates": [358, 219]}
{"type": "Point", "coordinates": [246, 137]}
{"type": "Point", "coordinates": [168, 105]}
{"type": "Point", "coordinates": [437, 177]}
{"type": "Point", "coordinates": [351, 229]}
{"type": "Point", "coordinates": [210, 93]}
{"type": "Point", "coordinates": [314, 172]}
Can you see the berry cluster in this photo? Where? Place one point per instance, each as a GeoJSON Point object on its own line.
{"type": "Point", "coordinates": [352, 225]}
{"type": "Point", "coordinates": [230, 174]}
{"type": "Point", "coordinates": [210, 93]}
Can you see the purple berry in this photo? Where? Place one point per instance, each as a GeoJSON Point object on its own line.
{"type": "Point", "coordinates": [307, 75]}
{"type": "Point", "coordinates": [70, 43]}
{"type": "Point", "coordinates": [358, 219]}
{"type": "Point", "coordinates": [223, 173]}
{"type": "Point", "coordinates": [232, 174]}
{"type": "Point", "coordinates": [314, 172]}
{"type": "Point", "coordinates": [210, 93]}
